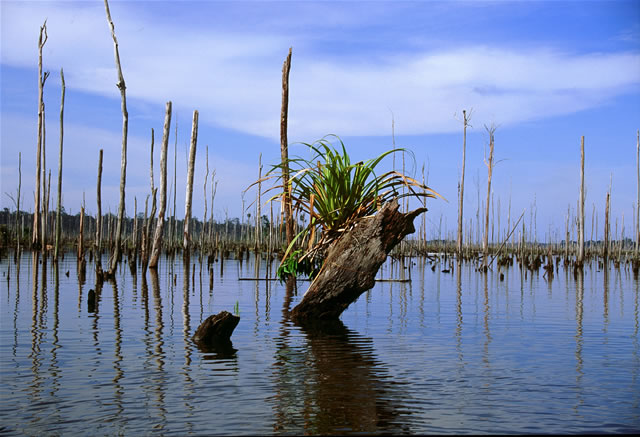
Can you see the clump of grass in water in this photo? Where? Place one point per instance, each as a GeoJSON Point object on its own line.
{"type": "Point", "coordinates": [334, 193]}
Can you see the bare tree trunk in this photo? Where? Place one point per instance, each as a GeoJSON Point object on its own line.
{"type": "Point", "coordinates": [45, 222]}
{"type": "Point", "coordinates": [58, 224]}
{"type": "Point", "coordinates": [125, 128]}
{"type": "Point", "coordinates": [485, 243]}
{"type": "Point", "coordinates": [174, 223]}
{"type": "Point", "coordinates": [259, 206]}
{"type": "Point", "coordinates": [135, 228]}
{"type": "Point", "coordinates": [81, 235]}
{"type": "Point", "coordinates": [284, 152]}
{"type": "Point", "coordinates": [605, 251]}
{"type": "Point", "coordinates": [18, 234]}
{"type": "Point", "coordinates": [352, 262]}
{"type": "Point", "coordinates": [36, 234]}
{"type": "Point", "coordinates": [581, 212]}
{"type": "Point", "coordinates": [461, 199]}
{"type": "Point", "coordinates": [638, 200]}
{"type": "Point", "coordinates": [98, 242]}
{"type": "Point", "coordinates": [204, 217]}
{"type": "Point", "coordinates": [157, 238]}
{"type": "Point", "coordinates": [189, 193]}
{"type": "Point", "coordinates": [146, 243]}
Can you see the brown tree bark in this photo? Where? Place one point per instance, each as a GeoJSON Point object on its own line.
{"type": "Point", "coordinates": [352, 262]}
{"type": "Point", "coordinates": [284, 145]}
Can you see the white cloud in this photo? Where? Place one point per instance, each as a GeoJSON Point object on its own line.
{"type": "Point", "coordinates": [234, 79]}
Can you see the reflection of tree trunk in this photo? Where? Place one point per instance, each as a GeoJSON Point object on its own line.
{"type": "Point", "coordinates": [352, 262]}
{"type": "Point", "coordinates": [333, 384]}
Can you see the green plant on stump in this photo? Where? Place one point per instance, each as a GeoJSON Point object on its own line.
{"type": "Point", "coordinates": [334, 192]}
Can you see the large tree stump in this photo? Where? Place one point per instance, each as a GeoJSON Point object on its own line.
{"type": "Point", "coordinates": [352, 263]}
{"type": "Point", "coordinates": [216, 328]}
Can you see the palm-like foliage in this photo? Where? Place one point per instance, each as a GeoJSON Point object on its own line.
{"type": "Point", "coordinates": [334, 192]}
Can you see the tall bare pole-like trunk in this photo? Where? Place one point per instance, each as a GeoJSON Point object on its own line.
{"type": "Point", "coordinates": [189, 193]}
{"type": "Point", "coordinates": [461, 199]}
{"type": "Point", "coordinates": [18, 234]}
{"type": "Point", "coordinates": [146, 237]}
{"type": "Point", "coordinates": [581, 205]}
{"type": "Point", "coordinates": [58, 224]}
{"type": "Point", "coordinates": [258, 205]}
{"type": "Point", "coordinates": [36, 234]}
{"type": "Point", "coordinates": [125, 128]}
{"type": "Point", "coordinates": [638, 200]}
{"type": "Point", "coordinates": [485, 244]}
{"type": "Point", "coordinates": [44, 201]}
{"type": "Point", "coordinates": [174, 223]}
{"type": "Point", "coordinates": [98, 241]}
{"type": "Point", "coordinates": [284, 149]}
{"type": "Point", "coordinates": [157, 237]}
{"type": "Point", "coordinates": [81, 236]}
{"type": "Point", "coordinates": [605, 252]}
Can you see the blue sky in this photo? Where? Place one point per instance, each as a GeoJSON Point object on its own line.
{"type": "Point", "coordinates": [544, 72]}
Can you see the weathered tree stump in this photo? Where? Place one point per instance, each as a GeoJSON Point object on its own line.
{"type": "Point", "coordinates": [216, 328]}
{"type": "Point", "coordinates": [352, 263]}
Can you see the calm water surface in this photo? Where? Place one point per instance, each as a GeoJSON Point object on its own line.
{"type": "Point", "coordinates": [452, 353]}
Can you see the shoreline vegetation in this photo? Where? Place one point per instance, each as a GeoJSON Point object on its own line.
{"type": "Point", "coordinates": [270, 234]}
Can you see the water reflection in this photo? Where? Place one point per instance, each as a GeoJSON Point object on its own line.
{"type": "Point", "coordinates": [334, 384]}
{"type": "Point", "coordinates": [579, 336]}
{"type": "Point", "coordinates": [456, 356]}
{"type": "Point", "coordinates": [156, 354]}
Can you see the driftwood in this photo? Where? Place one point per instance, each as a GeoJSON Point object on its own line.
{"type": "Point", "coordinates": [216, 328]}
{"type": "Point", "coordinates": [353, 261]}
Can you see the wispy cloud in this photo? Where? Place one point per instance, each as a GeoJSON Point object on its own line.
{"type": "Point", "coordinates": [234, 79]}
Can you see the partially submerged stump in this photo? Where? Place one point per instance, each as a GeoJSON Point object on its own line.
{"type": "Point", "coordinates": [216, 328]}
{"type": "Point", "coordinates": [353, 261]}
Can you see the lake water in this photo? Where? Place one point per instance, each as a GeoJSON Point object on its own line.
{"type": "Point", "coordinates": [457, 353]}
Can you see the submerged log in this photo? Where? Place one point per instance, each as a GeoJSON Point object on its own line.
{"type": "Point", "coordinates": [353, 261]}
{"type": "Point", "coordinates": [216, 328]}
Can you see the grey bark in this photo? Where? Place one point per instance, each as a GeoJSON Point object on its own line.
{"type": "Point", "coordinates": [189, 193]}
{"type": "Point", "coordinates": [581, 205]}
{"type": "Point", "coordinates": [461, 199]}
{"type": "Point", "coordinates": [157, 238]}
{"type": "Point", "coordinates": [36, 235]}
{"type": "Point", "coordinates": [58, 224]}
{"type": "Point", "coordinates": [125, 128]}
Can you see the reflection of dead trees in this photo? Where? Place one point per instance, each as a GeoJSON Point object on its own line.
{"type": "Point", "coordinates": [334, 382]}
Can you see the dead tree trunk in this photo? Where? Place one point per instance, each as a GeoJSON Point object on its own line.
{"type": "Point", "coordinates": [189, 194]}
{"type": "Point", "coordinates": [352, 262]}
{"type": "Point", "coordinates": [35, 239]}
{"type": "Point", "coordinates": [581, 206]}
{"type": "Point", "coordinates": [157, 237]}
{"type": "Point", "coordinates": [98, 242]}
{"type": "Point", "coordinates": [637, 250]}
{"type": "Point", "coordinates": [125, 129]}
{"type": "Point", "coordinates": [286, 68]}
{"type": "Point", "coordinates": [58, 218]}
{"type": "Point", "coordinates": [485, 243]}
{"type": "Point", "coordinates": [461, 199]}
